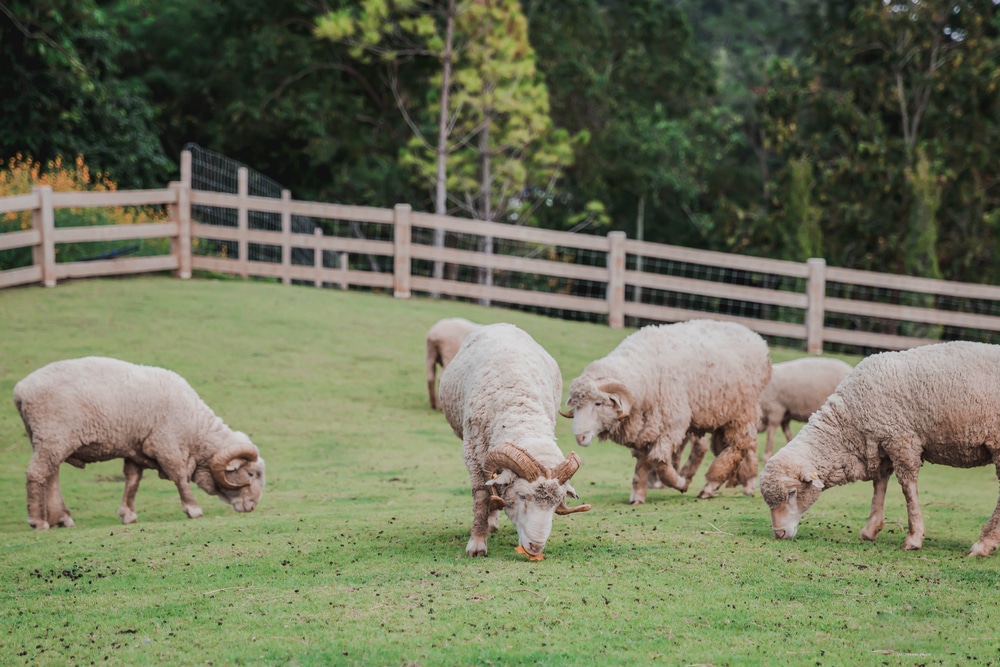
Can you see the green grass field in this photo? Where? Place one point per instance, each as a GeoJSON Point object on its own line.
{"type": "Point", "coordinates": [356, 554]}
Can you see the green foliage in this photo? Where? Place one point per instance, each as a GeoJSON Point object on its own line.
{"type": "Point", "coordinates": [879, 83]}
{"type": "Point", "coordinates": [803, 237]}
{"type": "Point", "coordinates": [356, 552]}
{"type": "Point", "coordinates": [62, 57]}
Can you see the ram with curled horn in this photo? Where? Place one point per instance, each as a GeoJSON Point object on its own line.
{"type": "Point", "coordinates": [81, 411]}
{"type": "Point", "coordinates": [500, 389]}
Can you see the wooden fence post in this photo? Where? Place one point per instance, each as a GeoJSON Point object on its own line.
{"type": "Point", "coordinates": [180, 245]}
{"type": "Point", "coordinates": [401, 252]}
{"type": "Point", "coordinates": [616, 280]}
{"type": "Point", "coordinates": [186, 168]}
{"type": "Point", "coordinates": [286, 237]}
{"type": "Point", "coordinates": [815, 291]}
{"type": "Point", "coordinates": [43, 219]}
{"type": "Point", "coordinates": [318, 256]}
{"type": "Point", "coordinates": [243, 221]}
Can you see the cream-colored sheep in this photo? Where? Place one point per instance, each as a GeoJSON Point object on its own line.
{"type": "Point", "coordinates": [893, 412]}
{"type": "Point", "coordinates": [665, 382]}
{"type": "Point", "coordinates": [797, 389]}
{"type": "Point", "coordinates": [443, 341]}
{"type": "Point", "coordinates": [500, 394]}
{"type": "Point", "coordinates": [81, 411]}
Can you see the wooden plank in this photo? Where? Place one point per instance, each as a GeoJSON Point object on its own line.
{"type": "Point", "coordinates": [913, 284]}
{"type": "Point", "coordinates": [616, 280]}
{"type": "Point", "coordinates": [295, 272]}
{"type": "Point", "coordinates": [669, 314]}
{"type": "Point", "coordinates": [402, 233]}
{"type": "Point", "coordinates": [508, 295]}
{"type": "Point", "coordinates": [18, 203]}
{"type": "Point", "coordinates": [43, 219]}
{"type": "Point", "coordinates": [28, 237]}
{"type": "Point", "coordinates": [116, 267]}
{"type": "Point", "coordinates": [113, 198]}
{"type": "Point", "coordinates": [875, 340]}
{"type": "Point", "coordinates": [543, 267]}
{"type": "Point", "coordinates": [913, 314]}
{"type": "Point", "coordinates": [308, 209]}
{"type": "Point", "coordinates": [815, 296]}
{"type": "Point", "coordinates": [717, 289]}
{"type": "Point", "coordinates": [512, 232]}
{"type": "Point", "coordinates": [22, 276]}
{"type": "Point", "coordinates": [148, 230]}
{"type": "Point", "coordinates": [267, 237]}
{"type": "Point", "coordinates": [717, 259]}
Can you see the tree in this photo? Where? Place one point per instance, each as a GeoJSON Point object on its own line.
{"type": "Point", "coordinates": [62, 59]}
{"type": "Point", "coordinates": [883, 84]}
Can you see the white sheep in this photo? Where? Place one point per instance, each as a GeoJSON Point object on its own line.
{"type": "Point", "coordinates": [797, 389]}
{"type": "Point", "coordinates": [81, 411]}
{"type": "Point", "coordinates": [895, 410]}
{"type": "Point", "coordinates": [665, 382]}
{"type": "Point", "coordinates": [500, 394]}
{"type": "Point", "coordinates": [443, 341]}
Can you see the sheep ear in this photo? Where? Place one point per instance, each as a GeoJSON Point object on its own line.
{"type": "Point", "coordinates": [505, 477]}
{"type": "Point", "coordinates": [619, 396]}
{"type": "Point", "coordinates": [813, 478]}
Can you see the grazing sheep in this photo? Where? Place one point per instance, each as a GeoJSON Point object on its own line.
{"type": "Point", "coordinates": [500, 394]}
{"type": "Point", "coordinates": [666, 382]}
{"type": "Point", "coordinates": [81, 411]}
{"type": "Point", "coordinates": [895, 410]}
{"type": "Point", "coordinates": [797, 389]}
{"type": "Point", "coordinates": [443, 341]}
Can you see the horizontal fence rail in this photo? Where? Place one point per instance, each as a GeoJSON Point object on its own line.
{"type": "Point", "coordinates": [609, 279]}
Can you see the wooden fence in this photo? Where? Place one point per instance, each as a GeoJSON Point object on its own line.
{"type": "Point", "coordinates": [611, 279]}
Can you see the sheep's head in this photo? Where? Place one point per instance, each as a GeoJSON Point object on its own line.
{"type": "Point", "coordinates": [530, 493]}
{"type": "Point", "coordinates": [789, 485]}
{"type": "Point", "coordinates": [596, 408]}
{"type": "Point", "coordinates": [238, 473]}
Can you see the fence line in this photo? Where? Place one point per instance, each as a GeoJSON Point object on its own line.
{"type": "Point", "coordinates": [612, 279]}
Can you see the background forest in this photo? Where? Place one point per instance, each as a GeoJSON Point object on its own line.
{"type": "Point", "coordinates": [866, 132]}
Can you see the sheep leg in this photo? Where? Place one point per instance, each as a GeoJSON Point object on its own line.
{"type": "Point", "coordinates": [786, 426]}
{"type": "Point", "coordinates": [57, 511]}
{"type": "Point", "coordinates": [876, 518]}
{"type": "Point", "coordinates": [660, 458]}
{"type": "Point", "coordinates": [990, 535]}
{"type": "Point", "coordinates": [640, 478]}
{"type": "Point", "coordinates": [180, 480]}
{"type": "Point", "coordinates": [480, 522]}
{"type": "Point", "coordinates": [734, 446]}
{"type": "Point", "coordinates": [915, 537]}
{"type": "Point", "coordinates": [38, 476]}
{"type": "Point", "coordinates": [699, 446]}
{"type": "Point", "coordinates": [769, 446]}
{"type": "Point", "coordinates": [133, 475]}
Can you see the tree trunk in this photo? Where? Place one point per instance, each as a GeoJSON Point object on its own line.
{"type": "Point", "coordinates": [441, 185]}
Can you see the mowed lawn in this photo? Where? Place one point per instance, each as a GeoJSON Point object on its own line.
{"type": "Point", "coordinates": [356, 554]}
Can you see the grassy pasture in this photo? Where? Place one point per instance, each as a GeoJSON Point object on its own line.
{"type": "Point", "coordinates": [356, 554]}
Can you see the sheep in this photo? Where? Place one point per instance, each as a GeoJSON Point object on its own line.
{"type": "Point", "coordinates": [443, 341]}
{"type": "Point", "coordinates": [500, 394]}
{"type": "Point", "coordinates": [797, 389]}
{"type": "Point", "coordinates": [81, 411]}
{"type": "Point", "coordinates": [939, 403]}
{"type": "Point", "coordinates": [665, 382]}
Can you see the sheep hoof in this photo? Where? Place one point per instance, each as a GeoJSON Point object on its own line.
{"type": "Point", "coordinates": [980, 549]}
{"type": "Point", "coordinates": [66, 522]}
{"type": "Point", "coordinates": [193, 512]}
{"type": "Point", "coordinates": [39, 525]}
{"type": "Point", "coordinates": [912, 544]}
{"type": "Point", "coordinates": [128, 516]}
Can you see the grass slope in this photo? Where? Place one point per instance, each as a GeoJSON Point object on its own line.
{"type": "Point", "coordinates": [356, 553]}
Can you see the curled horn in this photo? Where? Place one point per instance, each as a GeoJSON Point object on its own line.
{"type": "Point", "coordinates": [567, 468]}
{"type": "Point", "coordinates": [219, 462]}
{"type": "Point", "coordinates": [515, 459]}
{"type": "Point", "coordinates": [568, 414]}
{"type": "Point", "coordinates": [564, 509]}
{"type": "Point", "coordinates": [624, 395]}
